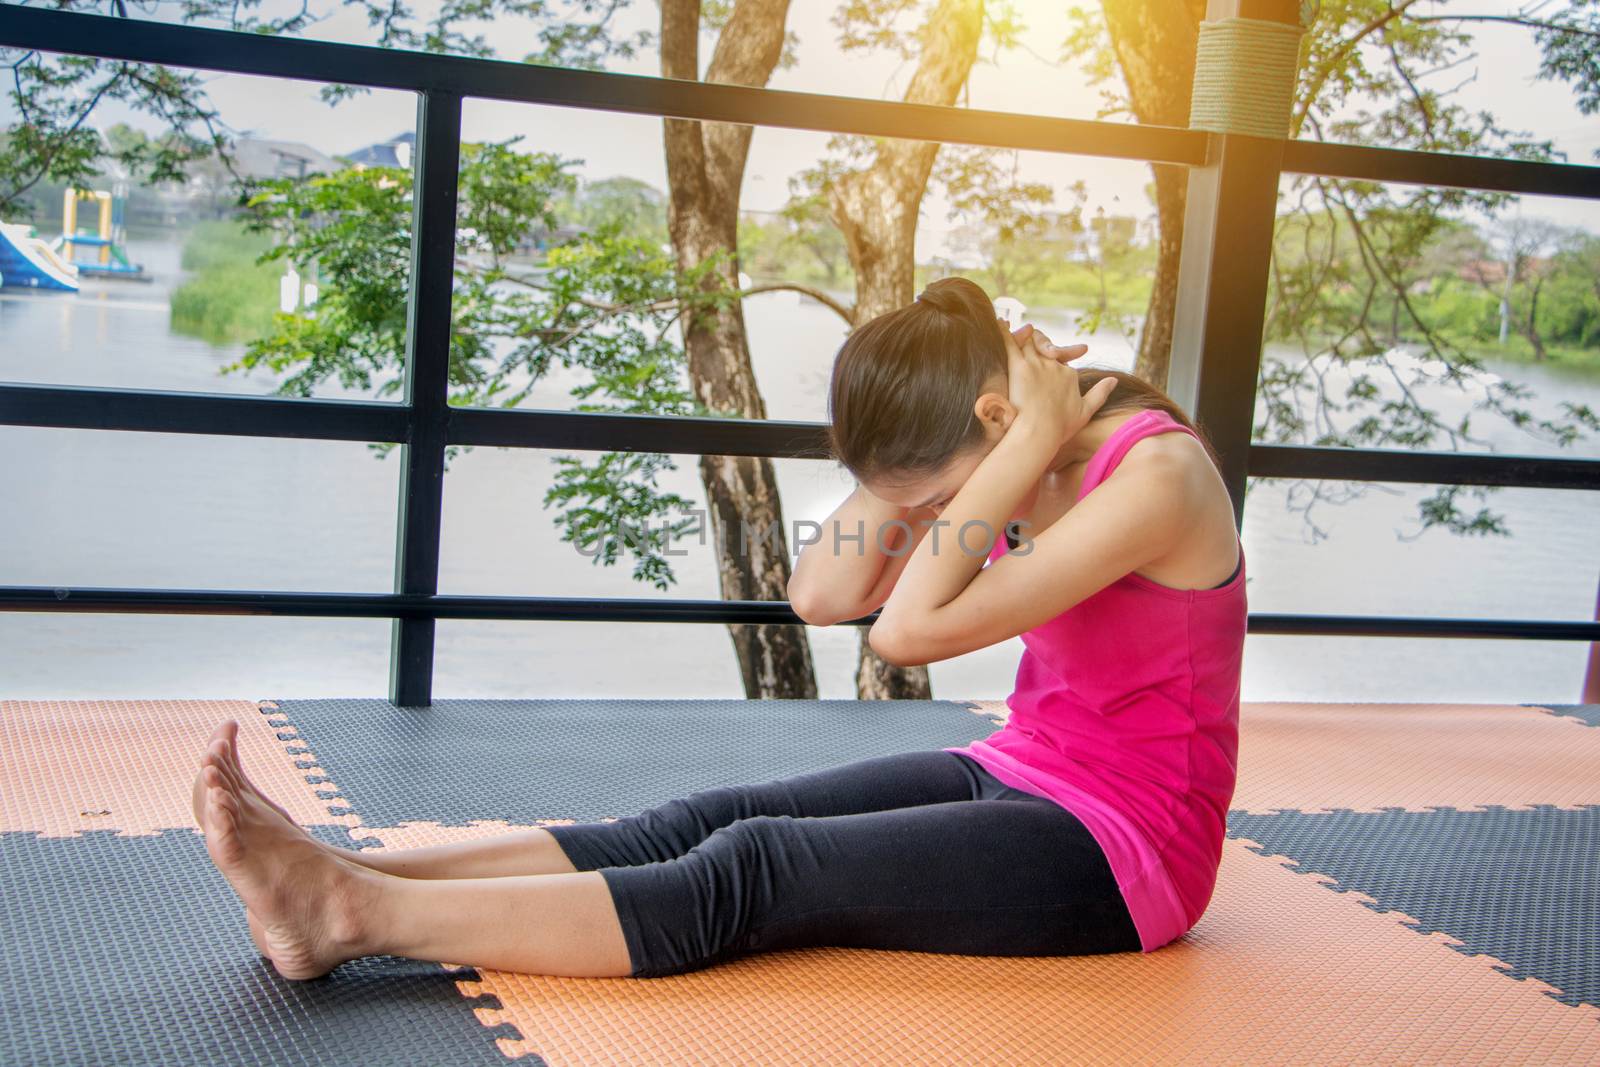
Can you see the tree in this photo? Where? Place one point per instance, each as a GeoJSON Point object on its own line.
{"type": "Point", "coordinates": [1113, 248]}
{"type": "Point", "coordinates": [1522, 245]}
{"type": "Point", "coordinates": [812, 228]}
{"type": "Point", "coordinates": [1004, 215]}
{"type": "Point", "coordinates": [874, 188]}
{"type": "Point", "coordinates": [1152, 44]}
{"type": "Point", "coordinates": [705, 169]}
{"type": "Point", "coordinates": [604, 303]}
{"type": "Point", "coordinates": [620, 203]}
{"type": "Point", "coordinates": [55, 96]}
{"type": "Point", "coordinates": [1367, 75]}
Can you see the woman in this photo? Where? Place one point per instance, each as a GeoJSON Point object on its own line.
{"type": "Point", "coordinates": [1091, 822]}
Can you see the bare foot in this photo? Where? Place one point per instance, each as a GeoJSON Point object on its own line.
{"type": "Point", "coordinates": [224, 744]}
{"type": "Point", "coordinates": [305, 904]}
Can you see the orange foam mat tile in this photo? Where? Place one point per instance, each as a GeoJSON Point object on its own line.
{"type": "Point", "coordinates": [417, 834]}
{"type": "Point", "coordinates": [1281, 969]}
{"type": "Point", "coordinates": [1365, 757]}
{"type": "Point", "coordinates": [129, 765]}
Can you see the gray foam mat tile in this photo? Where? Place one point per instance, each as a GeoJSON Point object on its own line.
{"type": "Point", "coordinates": [1589, 713]}
{"type": "Point", "coordinates": [133, 950]}
{"type": "Point", "coordinates": [1522, 886]}
{"type": "Point", "coordinates": [522, 760]}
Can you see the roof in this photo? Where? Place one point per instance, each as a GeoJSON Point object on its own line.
{"type": "Point", "coordinates": [258, 157]}
{"type": "Point", "coordinates": [397, 151]}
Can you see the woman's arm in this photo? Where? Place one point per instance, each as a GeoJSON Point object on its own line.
{"type": "Point", "coordinates": [846, 573]}
{"type": "Point", "coordinates": [946, 603]}
{"type": "Point", "coordinates": [835, 584]}
{"type": "Point", "coordinates": [1136, 516]}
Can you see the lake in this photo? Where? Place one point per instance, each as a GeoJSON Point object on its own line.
{"type": "Point", "coordinates": [127, 509]}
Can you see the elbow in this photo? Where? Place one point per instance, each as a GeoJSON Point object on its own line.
{"type": "Point", "coordinates": [812, 609]}
{"type": "Point", "coordinates": [894, 645]}
{"type": "Point", "coordinates": [810, 612]}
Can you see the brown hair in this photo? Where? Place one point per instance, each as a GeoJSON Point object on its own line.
{"type": "Point", "coordinates": [903, 385]}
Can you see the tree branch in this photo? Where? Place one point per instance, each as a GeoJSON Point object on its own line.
{"type": "Point", "coordinates": [1314, 90]}
{"type": "Point", "coordinates": [845, 313]}
{"type": "Point", "coordinates": [1515, 20]}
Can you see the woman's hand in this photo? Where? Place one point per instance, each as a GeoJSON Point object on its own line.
{"type": "Point", "coordinates": [1044, 387]}
{"type": "Point", "coordinates": [1044, 346]}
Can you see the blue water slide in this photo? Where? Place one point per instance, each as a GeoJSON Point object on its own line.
{"type": "Point", "coordinates": [28, 263]}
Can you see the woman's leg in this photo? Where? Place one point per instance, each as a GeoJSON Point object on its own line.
{"type": "Point", "coordinates": [979, 876]}
{"type": "Point", "coordinates": [310, 909]}
{"type": "Point", "coordinates": [668, 830]}
{"type": "Point", "coordinates": [673, 828]}
{"type": "Point", "coordinates": [660, 833]}
{"type": "Point", "coordinates": [529, 851]}
{"type": "Point", "coordinates": [1016, 876]}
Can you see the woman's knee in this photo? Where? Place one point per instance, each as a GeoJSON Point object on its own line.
{"type": "Point", "coordinates": [706, 905]}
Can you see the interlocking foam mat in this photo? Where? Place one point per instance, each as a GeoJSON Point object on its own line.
{"type": "Point", "coordinates": [1400, 884]}
{"type": "Point", "coordinates": [1589, 713]}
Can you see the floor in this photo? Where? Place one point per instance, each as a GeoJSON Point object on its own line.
{"type": "Point", "coordinates": [1400, 884]}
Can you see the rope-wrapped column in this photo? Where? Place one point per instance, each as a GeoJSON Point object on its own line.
{"type": "Point", "coordinates": [1246, 64]}
{"type": "Point", "coordinates": [1244, 77]}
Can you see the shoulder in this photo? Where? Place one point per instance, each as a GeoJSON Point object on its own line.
{"type": "Point", "coordinates": [1175, 462]}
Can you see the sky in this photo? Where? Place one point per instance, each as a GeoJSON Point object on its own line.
{"type": "Point", "coordinates": [1026, 79]}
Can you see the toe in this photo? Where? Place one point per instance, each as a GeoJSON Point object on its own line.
{"type": "Point", "coordinates": [231, 746]}
{"type": "Point", "coordinates": [219, 734]}
{"type": "Point", "coordinates": [230, 771]}
{"type": "Point", "coordinates": [198, 800]}
{"type": "Point", "coordinates": [222, 829]}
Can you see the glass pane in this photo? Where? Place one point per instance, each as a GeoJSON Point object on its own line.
{"type": "Point", "coordinates": [1416, 318]}
{"type": "Point", "coordinates": [1408, 670]}
{"type": "Point", "coordinates": [1371, 558]}
{"type": "Point", "coordinates": [663, 661]}
{"type": "Point", "coordinates": [1429, 85]}
{"type": "Point", "coordinates": [543, 319]}
{"type": "Point", "coordinates": [123, 657]}
{"type": "Point", "coordinates": [188, 511]}
{"type": "Point", "coordinates": [499, 540]}
{"type": "Point", "coordinates": [164, 290]}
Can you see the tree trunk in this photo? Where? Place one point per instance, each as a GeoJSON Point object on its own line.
{"type": "Point", "coordinates": [705, 169]}
{"type": "Point", "coordinates": [1533, 320]}
{"type": "Point", "coordinates": [1155, 339]}
{"type": "Point", "coordinates": [876, 210]}
{"type": "Point", "coordinates": [1154, 41]}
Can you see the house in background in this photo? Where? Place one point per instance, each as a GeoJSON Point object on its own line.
{"type": "Point", "coordinates": [397, 151]}
{"type": "Point", "coordinates": [256, 157]}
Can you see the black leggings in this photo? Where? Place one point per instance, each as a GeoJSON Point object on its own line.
{"type": "Point", "coordinates": [922, 851]}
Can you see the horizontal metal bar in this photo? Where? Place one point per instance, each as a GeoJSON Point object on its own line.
{"type": "Point", "coordinates": [1433, 468]}
{"type": "Point", "coordinates": [643, 609]}
{"type": "Point", "coordinates": [389, 605]}
{"type": "Point", "coordinates": [155, 411]}
{"type": "Point", "coordinates": [83, 407]}
{"type": "Point", "coordinates": [1441, 168]}
{"type": "Point", "coordinates": [606, 431]}
{"type": "Point", "coordinates": [144, 41]}
{"type": "Point", "coordinates": [1393, 626]}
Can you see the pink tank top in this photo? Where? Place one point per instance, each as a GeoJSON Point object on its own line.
{"type": "Point", "coordinates": [1126, 713]}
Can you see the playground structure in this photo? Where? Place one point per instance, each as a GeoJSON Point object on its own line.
{"type": "Point", "coordinates": [27, 262]}
{"type": "Point", "coordinates": [106, 256]}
